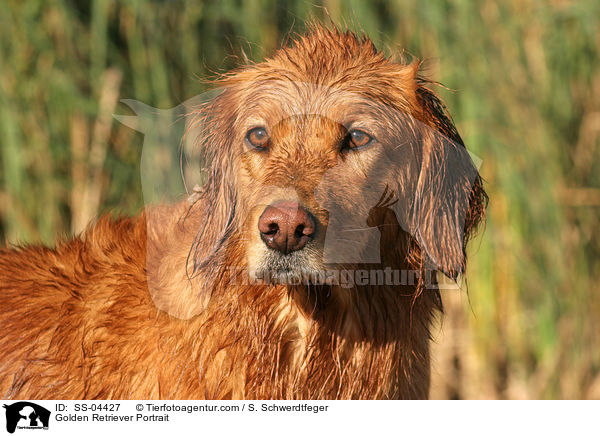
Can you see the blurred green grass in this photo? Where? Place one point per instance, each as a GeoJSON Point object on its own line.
{"type": "Point", "coordinates": [524, 79]}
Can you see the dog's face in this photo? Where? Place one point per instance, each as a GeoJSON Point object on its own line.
{"type": "Point", "coordinates": [319, 142]}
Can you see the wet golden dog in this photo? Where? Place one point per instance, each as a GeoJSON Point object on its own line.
{"type": "Point", "coordinates": [222, 296]}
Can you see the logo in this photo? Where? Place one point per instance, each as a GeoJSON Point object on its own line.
{"type": "Point", "coordinates": [26, 415]}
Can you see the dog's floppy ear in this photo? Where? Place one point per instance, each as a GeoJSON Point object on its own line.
{"type": "Point", "coordinates": [449, 200]}
{"type": "Point", "coordinates": [186, 241]}
{"type": "Point", "coordinates": [218, 197]}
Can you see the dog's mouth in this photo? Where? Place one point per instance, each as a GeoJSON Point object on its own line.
{"type": "Point", "coordinates": [300, 267]}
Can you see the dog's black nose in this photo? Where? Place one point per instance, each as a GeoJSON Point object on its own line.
{"type": "Point", "coordinates": [286, 226]}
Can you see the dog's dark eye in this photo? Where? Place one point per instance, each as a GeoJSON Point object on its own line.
{"type": "Point", "coordinates": [358, 138]}
{"type": "Point", "coordinates": [257, 137]}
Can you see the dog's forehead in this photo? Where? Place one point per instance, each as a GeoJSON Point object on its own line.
{"type": "Point", "coordinates": [268, 102]}
{"type": "Point", "coordinates": [302, 98]}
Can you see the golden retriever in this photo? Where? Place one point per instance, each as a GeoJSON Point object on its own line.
{"type": "Point", "coordinates": [305, 267]}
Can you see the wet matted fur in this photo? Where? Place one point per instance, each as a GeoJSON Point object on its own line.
{"type": "Point", "coordinates": [148, 307]}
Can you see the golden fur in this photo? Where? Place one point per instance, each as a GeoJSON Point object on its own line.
{"type": "Point", "coordinates": [146, 307]}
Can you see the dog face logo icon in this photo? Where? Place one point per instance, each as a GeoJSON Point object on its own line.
{"type": "Point", "coordinates": [26, 415]}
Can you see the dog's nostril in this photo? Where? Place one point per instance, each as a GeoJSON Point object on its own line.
{"type": "Point", "coordinates": [273, 228]}
{"type": "Point", "coordinates": [299, 231]}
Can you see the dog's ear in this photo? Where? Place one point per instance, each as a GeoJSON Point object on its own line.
{"type": "Point", "coordinates": [449, 201]}
{"type": "Point", "coordinates": [217, 198]}
{"type": "Point", "coordinates": [185, 241]}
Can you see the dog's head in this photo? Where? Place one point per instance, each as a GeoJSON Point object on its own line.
{"type": "Point", "coordinates": [316, 147]}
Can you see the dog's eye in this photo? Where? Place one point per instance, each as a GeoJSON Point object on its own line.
{"type": "Point", "coordinates": [257, 137]}
{"type": "Point", "coordinates": [358, 138]}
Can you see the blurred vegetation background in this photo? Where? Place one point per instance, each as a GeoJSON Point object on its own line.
{"type": "Point", "coordinates": [524, 79]}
